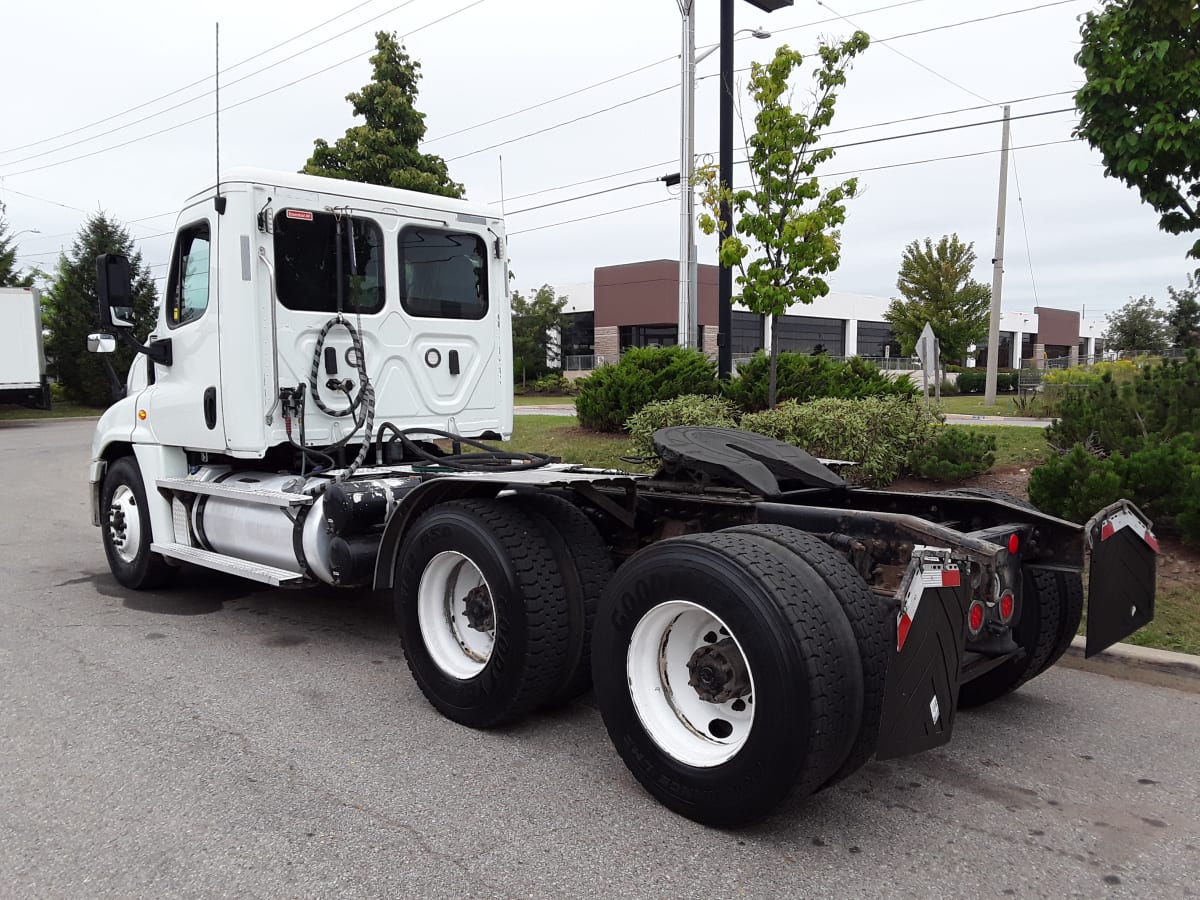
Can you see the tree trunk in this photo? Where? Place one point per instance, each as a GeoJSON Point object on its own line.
{"type": "Point", "coordinates": [774, 361]}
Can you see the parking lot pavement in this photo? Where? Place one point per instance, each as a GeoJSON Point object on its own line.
{"type": "Point", "coordinates": [225, 740]}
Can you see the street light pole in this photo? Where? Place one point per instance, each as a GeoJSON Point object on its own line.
{"type": "Point", "coordinates": [687, 251]}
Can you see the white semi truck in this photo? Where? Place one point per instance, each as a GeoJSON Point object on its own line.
{"type": "Point", "coordinates": [22, 356]}
{"type": "Point", "coordinates": [310, 409]}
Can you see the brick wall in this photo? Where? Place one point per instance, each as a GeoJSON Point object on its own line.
{"type": "Point", "coordinates": [608, 343]}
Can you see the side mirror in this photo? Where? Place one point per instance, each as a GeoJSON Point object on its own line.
{"type": "Point", "coordinates": [101, 343]}
{"type": "Point", "coordinates": [114, 291]}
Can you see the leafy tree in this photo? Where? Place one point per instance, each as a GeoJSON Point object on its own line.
{"type": "Point", "coordinates": [1141, 59]}
{"type": "Point", "coordinates": [936, 285]}
{"type": "Point", "coordinates": [785, 217]}
{"type": "Point", "coordinates": [384, 150]}
{"type": "Point", "coordinates": [10, 275]}
{"type": "Point", "coordinates": [1138, 325]}
{"type": "Point", "coordinates": [536, 325]}
{"type": "Point", "coordinates": [71, 313]}
{"type": "Point", "coordinates": [1183, 318]}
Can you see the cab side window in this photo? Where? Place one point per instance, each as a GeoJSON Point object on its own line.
{"type": "Point", "coordinates": [187, 285]}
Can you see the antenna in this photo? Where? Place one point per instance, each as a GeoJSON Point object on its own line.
{"type": "Point", "coordinates": [218, 201]}
{"type": "Point", "coordinates": [500, 157]}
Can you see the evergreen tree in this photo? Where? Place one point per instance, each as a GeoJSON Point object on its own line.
{"type": "Point", "coordinates": [10, 275]}
{"type": "Point", "coordinates": [384, 150]}
{"type": "Point", "coordinates": [71, 311]}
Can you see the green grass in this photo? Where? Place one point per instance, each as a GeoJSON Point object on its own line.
{"type": "Point", "coordinates": [59, 409]}
{"type": "Point", "coordinates": [1176, 624]}
{"type": "Point", "coordinates": [562, 436]}
{"type": "Point", "coordinates": [541, 400]}
{"type": "Point", "coordinates": [1015, 445]}
{"type": "Point", "coordinates": [972, 405]}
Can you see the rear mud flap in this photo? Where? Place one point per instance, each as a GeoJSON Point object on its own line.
{"type": "Point", "coordinates": [1122, 575]}
{"type": "Point", "coordinates": [920, 694]}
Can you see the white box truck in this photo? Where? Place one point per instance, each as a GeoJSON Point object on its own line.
{"type": "Point", "coordinates": [22, 359]}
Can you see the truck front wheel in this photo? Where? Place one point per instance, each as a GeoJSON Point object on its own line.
{"type": "Point", "coordinates": [125, 526]}
{"type": "Point", "coordinates": [727, 675]}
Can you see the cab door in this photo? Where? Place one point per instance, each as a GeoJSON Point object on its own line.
{"type": "Point", "coordinates": [185, 405]}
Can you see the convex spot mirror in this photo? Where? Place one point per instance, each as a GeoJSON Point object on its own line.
{"type": "Point", "coordinates": [101, 343]}
{"type": "Point", "coordinates": [114, 291]}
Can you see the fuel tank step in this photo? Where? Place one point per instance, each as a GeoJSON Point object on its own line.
{"type": "Point", "coordinates": [228, 564]}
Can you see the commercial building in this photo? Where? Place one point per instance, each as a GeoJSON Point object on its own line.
{"type": "Point", "coordinates": [637, 305]}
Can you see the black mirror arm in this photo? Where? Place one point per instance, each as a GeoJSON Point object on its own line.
{"type": "Point", "coordinates": [157, 351]}
{"type": "Point", "coordinates": [114, 380]}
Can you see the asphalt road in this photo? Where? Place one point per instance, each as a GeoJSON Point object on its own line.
{"type": "Point", "coordinates": [226, 740]}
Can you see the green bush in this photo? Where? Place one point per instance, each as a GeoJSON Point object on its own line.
{"type": "Point", "coordinates": [802, 377]}
{"type": "Point", "coordinates": [955, 454]}
{"type": "Point", "coordinates": [1164, 482]}
{"type": "Point", "coordinates": [553, 383]}
{"type": "Point", "coordinates": [1155, 405]}
{"type": "Point", "coordinates": [690, 409]}
{"type": "Point", "coordinates": [879, 433]}
{"type": "Point", "coordinates": [974, 381]}
{"type": "Point", "coordinates": [949, 388]}
{"type": "Point", "coordinates": [613, 393]}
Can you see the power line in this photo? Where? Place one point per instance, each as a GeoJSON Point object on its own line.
{"type": "Point", "coordinates": [235, 105]}
{"type": "Point", "coordinates": [517, 212]}
{"type": "Point", "coordinates": [204, 79]}
{"type": "Point", "coordinates": [859, 171]}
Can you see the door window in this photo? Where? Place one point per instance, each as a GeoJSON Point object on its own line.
{"type": "Point", "coordinates": [443, 274]}
{"type": "Point", "coordinates": [306, 262]}
{"type": "Point", "coordinates": [187, 285]}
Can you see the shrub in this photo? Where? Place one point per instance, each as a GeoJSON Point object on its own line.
{"type": "Point", "coordinates": [974, 381]}
{"type": "Point", "coordinates": [801, 377]}
{"type": "Point", "coordinates": [954, 454]}
{"type": "Point", "coordinates": [948, 388]}
{"type": "Point", "coordinates": [878, 433]}
{"type": "Point", "coordinates": [613, 393]}
{"type": "Point", "coordinates": [1153, 407]}
{"type": "Point", "coordinates": [1164, 482]}
{"type": "Point", "coordinates": [553, 383]}
{"type": "Point", "coordinates": [690, 409]}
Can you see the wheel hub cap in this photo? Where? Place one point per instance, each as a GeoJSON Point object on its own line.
{"type": "Point", "coordinates": [124, 524]}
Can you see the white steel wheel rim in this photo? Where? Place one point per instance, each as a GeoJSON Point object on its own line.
{"type": "Point", "coordinates": [671, 711]}
{"type": "Point", "coordinates": [457, 646]}
{"type": "Point", "coordinates": [124, 523]}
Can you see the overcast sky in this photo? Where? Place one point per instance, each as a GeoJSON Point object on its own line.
{"type": "Point", "coordinates": [68, 63]}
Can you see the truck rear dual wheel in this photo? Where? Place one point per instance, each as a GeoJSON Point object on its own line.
{"type": "Point", "coordinates": [727, 675]}
{"type": "Point", "coordinates": [1049, 615]}
{"type": "Point", "coordinates": [1050, 612]}
{"type": "Point", "coordinates": [493, 614]}
{"type": "Point", "coordinates": [868, 618]}
{"type": "Point", "coordinates": [125, 529]}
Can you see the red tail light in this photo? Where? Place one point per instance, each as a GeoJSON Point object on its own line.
{"type": "Point", "coordinates": [1014, 543]}
{"type": "Point", "coordinates": [1007, 606]}
{"type": "Point", "coordinates": [975, 618]}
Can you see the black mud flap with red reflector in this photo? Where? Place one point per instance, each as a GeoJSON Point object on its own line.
{"type": "Point", "coordinates": [920, 693]}
{"type": "Point", "coordinates": [1122, 575]}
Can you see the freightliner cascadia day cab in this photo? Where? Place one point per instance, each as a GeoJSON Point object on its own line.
{"type": "Point", "coordinates": [313, 405]}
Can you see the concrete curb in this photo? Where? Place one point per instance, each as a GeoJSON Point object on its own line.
{"type": "Point", "coordinates": [1146, 664]}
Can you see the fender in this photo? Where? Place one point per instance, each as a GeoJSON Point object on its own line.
{"type": "Point", "coordinates": [415, 502]}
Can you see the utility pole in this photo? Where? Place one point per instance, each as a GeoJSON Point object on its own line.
{"type": "Point", "coordinates": [993, 360]}
{"type": "Point", "coordinates": [687, 251]}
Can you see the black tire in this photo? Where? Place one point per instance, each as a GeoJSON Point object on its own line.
{"type": "Point", "coordinates": [143, 570]}
{"type": "Point", "coordinates": [532, 628]}
{"type": "Point", "coordinates": [1051, 608]}
{"type": "Point", "coordinates": [586, 566]}
{"type": "Point", "coordinates": [869, 620]}
{"type": "Point", "coordinates": [807, 679]}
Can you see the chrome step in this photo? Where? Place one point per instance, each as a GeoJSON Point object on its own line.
{"type": "Point", "coordinates": [245, 494]}
{"type": "Point", "coordinates": [231, 565]}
